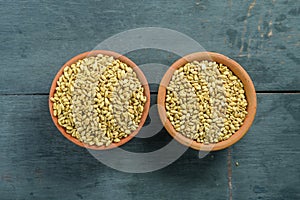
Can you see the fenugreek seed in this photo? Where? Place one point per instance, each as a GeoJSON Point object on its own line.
{"type": "Point", "coordinates": [217, 91]}
{"type": "Point", "coordinates": [66, 100]}
{"type": "Point", "coordinates": [117, 140]}
{"type": "Point", "coordinates": [108, 143]}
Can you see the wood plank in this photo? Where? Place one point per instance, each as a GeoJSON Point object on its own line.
{"type": "Point", "coordinates": [37, 162]}
{"type": "Point", "coordinates": [37, 38]}
{"type": "Point", "coordinates": [268, 156]}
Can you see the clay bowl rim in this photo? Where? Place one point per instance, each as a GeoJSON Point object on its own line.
{"type": "Point", "coordinates": [238, 70]}
{"type": "Point", "coordinates": [123, 59]}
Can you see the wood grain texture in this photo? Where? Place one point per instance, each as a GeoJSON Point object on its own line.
{"type": "Point", "coordinates": [268, 156]}
{"type": "Point", "coordinates": [37, 162]}
{"type": "Point", "coordinates": [47, 166]}
{"type": "Point", "coordinates": [38, 37]}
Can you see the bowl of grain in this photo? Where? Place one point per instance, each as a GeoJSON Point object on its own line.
{"type": "Point", "coordinates": [99, 99]}
{"type": "Point", "coordinates": [206, 101]}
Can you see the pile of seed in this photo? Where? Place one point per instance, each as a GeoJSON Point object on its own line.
{"type": "Point", "coordinates": [206, 102]}
{"type": "Point", "coordinates": [99, 100]}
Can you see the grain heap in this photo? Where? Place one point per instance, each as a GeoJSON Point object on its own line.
{"type": "Point", "coordinates": [99, 100]}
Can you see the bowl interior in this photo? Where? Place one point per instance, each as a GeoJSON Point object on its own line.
{"type": "Point", "coordinates": [249, 92]}
{"type": "Point", "coordinates": [123, 59]}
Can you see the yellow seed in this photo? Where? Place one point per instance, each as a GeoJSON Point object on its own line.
{"type": "Point", "coordinates": [117, 140]}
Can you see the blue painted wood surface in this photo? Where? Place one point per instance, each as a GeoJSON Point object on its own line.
{"type": "Point", "coordinates": [38, 37]}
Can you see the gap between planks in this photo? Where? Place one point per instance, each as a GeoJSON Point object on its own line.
{"type": "Point", "coordinates": [229, 172]}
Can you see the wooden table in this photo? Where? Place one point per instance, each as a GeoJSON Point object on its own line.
{"type": "Point", "coordinates": [38, 37]}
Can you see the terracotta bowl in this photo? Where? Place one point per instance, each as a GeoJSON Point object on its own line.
{"type": "Point", "coordinates": [238, 71]}
{"type": "Point", "coordinates": [123, 59]}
